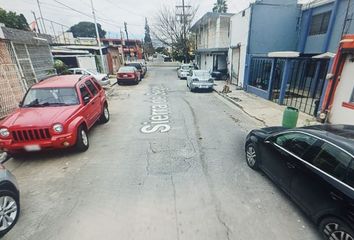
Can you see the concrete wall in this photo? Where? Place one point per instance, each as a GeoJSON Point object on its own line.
{"type": "Point", "coordinates": [239, 26]}
{"type": "Point", "coordinates": [340, 114]}
{"type": "Point", "coordinates": [274, 28]}
{"type": "Point", "coordinates": [206, 61]}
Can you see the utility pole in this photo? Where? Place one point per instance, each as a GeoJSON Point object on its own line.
{"type": "Point", "coordinates": [35, 19]}
{"type": "Point", "coordinates": [40, 12]}
{"type": "Point", "coordinates": [98, 36]}
{"type": "Point", "coordinates": [126, 30]}
{"type": "Point", "coordinates": [184, 22]}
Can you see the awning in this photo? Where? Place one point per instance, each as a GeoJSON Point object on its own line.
{"type": "Point", "coordinates": [325, 55]}
{"type": "Point", "coordinates": [284, 54]}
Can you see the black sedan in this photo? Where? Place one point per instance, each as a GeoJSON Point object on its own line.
{"type": "Point", "coordinates": [315, 167]}
{"type": "Point", "coordinates": [9, 201]}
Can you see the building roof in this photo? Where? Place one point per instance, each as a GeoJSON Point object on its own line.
{"type": "Point", "coordinates": [58, 81]}
{"type": "Point", "coordinates": [88, 47]}
{"type": "Point", "coordinates": [56, 50]}
{"type": "Point", "coordinates": [25, 37]}
{"type": "Point", "coordinates": [314, 4]}
{"type": "Point", "coordinates": [209, 15]}
{"type": "Point", "coordinates": [211, 50]}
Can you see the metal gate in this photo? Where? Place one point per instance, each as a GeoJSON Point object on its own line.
{"type": "Point", "coordinates": [305, 84]}
{"type": "Point", "coordinates": [277, 79]}
{"type": "Point", "coordinates": [22, 57]}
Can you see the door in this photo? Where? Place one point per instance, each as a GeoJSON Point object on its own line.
{"type": "Point", "coordinates": [280, 156]}
{"type": "Point", "coordinates": [95, 100]}
{"type": "Point", "coordinates": [317, 182]}
{"type": "Point", "coordinates": [88, 109]}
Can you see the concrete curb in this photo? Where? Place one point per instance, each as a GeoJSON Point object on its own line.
{"type": "Point", "coordinates": [239, 106]}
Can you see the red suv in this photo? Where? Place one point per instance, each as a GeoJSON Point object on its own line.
{"type": "Point", "coordinates": [55, 113]}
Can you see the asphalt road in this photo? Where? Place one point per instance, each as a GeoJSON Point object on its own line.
{"type": "Point", "coordinates": [169, 165]}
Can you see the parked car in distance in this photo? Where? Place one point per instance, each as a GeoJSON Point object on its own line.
{"type": "Point", "coordinates": [143, 63]}
{"type": "Point", "coordinates": [315, 167]}
{"type": "Point", "coordinates": [219, 74]}
{"type": "Point", "coordinates": [9, 201]}
{"type": "Point", "coordinates": [102, 78]}
{"type": "Point", "coordinates": [183, 71]}
{"type": "Point", "coordinates": [54, 114]}
{"type": "Point", "coordinates": [128, 74]}
{"type": "Point", "coordinates": [167, 59]}
{"type": "Point", "coordinates": [199, 79]}
{"type": "Point", "coordinates": [139, 67]}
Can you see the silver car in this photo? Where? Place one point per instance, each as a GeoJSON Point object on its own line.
{"type": "Point", "coordinates": [199, 79]}
{"type": "Point", "coordinates": [9, 201]}
{"type": "Point", "coordinates": [100, 77]}
{"type": "Point", "coordinates": [183, 70]}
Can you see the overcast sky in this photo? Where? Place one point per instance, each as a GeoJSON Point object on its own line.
{"type": "Point", "coordinates": [111, 13]}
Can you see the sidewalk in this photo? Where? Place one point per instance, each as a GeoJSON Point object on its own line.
{"type": "Point", "coordinates": [267, 112]}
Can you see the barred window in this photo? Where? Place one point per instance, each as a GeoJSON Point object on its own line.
{"type": "Point", "coordinates": [319, 23]}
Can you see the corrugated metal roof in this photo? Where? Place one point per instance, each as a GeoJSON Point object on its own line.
{"type": "Point", "coordinates": [25, 37]}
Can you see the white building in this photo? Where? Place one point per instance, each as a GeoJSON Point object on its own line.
{"type": "Point", "coordinates": [212, 41]}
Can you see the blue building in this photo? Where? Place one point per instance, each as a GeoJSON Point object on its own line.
{"type": "Point", "coordinates": [289, 49]}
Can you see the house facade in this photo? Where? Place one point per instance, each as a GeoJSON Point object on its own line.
{"type": "Point", "coordinates": [130, 49]}
{"type": "Point", "coordinates": [338, 103]}
{"type": "Point", "coordinates": [285, 58]}
{"type": "Point", "coordinates": [212, 33]}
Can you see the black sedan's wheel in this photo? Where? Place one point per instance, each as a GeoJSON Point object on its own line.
{"type": "Point", "coordinates": [9, 211]}
{"type": "Point", "coordinates": [105, 114]}
{"type": "Point", "coordinates": [82, 142]}
{"type": "Point", "coordinates": [251, 156]}
{"type": "Point", "coordinates": [333, 228]}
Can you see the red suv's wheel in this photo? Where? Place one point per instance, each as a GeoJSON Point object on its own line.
{"type": "Point", "coordinates": [105, 114]}
{"type": "Point", "coordinates": [82, 142]}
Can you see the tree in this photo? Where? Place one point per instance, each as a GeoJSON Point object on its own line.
{"type": "Point", "coordinates": [148, 46]}
{"type": "Point", "coordinates": [220, 6]}
{"type": "Point", "coordinates": [87, 29]}
{"type": "Point", "coordinates": [12, 20]}
{"type": "Point", "coordinates": [162, 50]}
{"type": "Point", "coordinates": [175, 32]}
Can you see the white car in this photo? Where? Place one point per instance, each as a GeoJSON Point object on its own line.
{"type": "Point", "coordinates": [100, 77]}
{"type": "Point", "coordinates": [183, 71]}
{"type": "Point", "coordinates": [199, 79]}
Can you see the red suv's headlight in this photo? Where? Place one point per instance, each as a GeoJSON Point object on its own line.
{"type": "Point", "coordinates": [4, 132]}
{"type": "Point", "coordinates": [58, 128]}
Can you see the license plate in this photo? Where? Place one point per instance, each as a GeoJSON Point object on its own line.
{"type": "Point", "coordinates": [32, 148]}
{"type": "Point", "coordinates": [125, 75]}
{"type": "Point", "coordinates": [204, 87]}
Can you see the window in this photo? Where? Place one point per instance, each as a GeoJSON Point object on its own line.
{"type": "Point", "coordinates": [352, 97]}
{"type": "Point", "coordinates": [350, 176]}
{"type": "Point", "coordinates": [50, 97]}
{"type": "Point", "coordinates": [92, 88]}
{"type": "Point", "coordinates": [98, 86]}
{"type": "Point", "coordinates": [79, 72]}
{"type": "Point", "coordinates": [319, 23]}
{"type": "Point", "coordinates": [84, 92]}
{"type": "Point", "coordinates": [297, 143]}
{"type": "Point", "coordinates": [332, 160]}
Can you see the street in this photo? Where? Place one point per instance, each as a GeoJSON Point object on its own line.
{"type": "Point", "coordinates": [170, 164]}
